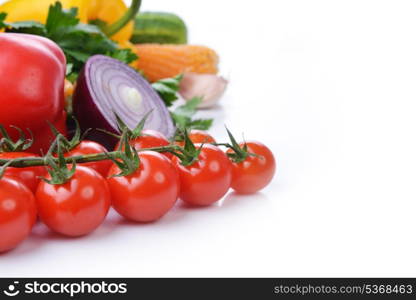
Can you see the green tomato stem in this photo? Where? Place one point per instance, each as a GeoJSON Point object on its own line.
{"type": "Point", "coordinates": [25, 162]}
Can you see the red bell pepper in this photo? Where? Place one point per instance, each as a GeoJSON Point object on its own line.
{"type": "Point", "coordinates": [32, 74]}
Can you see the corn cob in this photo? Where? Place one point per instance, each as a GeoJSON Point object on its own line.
{"type": "Point", "coordinates": [163, 61]}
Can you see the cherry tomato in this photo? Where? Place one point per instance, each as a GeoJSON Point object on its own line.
{"type": "Point", "coordinates": [90, 147]}
{"type": "Point", "coordinates": [198, 137]}
{"type": "Point", "coordinates": [150, 139]}
{"type": "Point", "coordinates": [76, 207]}
{"type": "Point", "coordinates": [207, 180]}
{"type": "Point", "coordinates": [28, 176]}
{"type": "Point", "coordinates": [148, 193]}
{"type": "Point", "coordinates": [255, 172]}
{"type": "Point", "coordinates": [17, 213]}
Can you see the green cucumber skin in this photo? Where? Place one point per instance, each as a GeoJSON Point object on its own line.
{"type": "Point", "coordinates": [159, 27]}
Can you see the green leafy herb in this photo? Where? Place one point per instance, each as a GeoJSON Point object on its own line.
{"type": "Point", "coordinates": [78, 41]}
{"type": "Point", "coordinates": [201, 124]}
{"type": "Point", "coordinates": [124, 55]}
{"type": "Point", "coordinates": [167, 89]}
{"type": "Point", "coordinates": [183, 116]}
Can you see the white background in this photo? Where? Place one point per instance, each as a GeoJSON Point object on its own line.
{"type": "Point", "coordinates": [330, 87]}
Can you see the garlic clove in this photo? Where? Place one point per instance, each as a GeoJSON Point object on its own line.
{"type": "Point", "coordinates": [208, 86]}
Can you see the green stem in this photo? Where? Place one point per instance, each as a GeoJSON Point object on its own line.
{"type": "Point", "coordinates": [112, 29]}
{"type": "Point", "coordinates": [40, 161]}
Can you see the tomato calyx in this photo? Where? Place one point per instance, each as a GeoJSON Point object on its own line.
{"type": "Point", "coordinates": [137, 131]}
{"type": "Point", "coordinates": [66, 144]}
{"type": "Point", "coordinates": [128, 160]}
{"type": "Point", "coordinates": [20, 145]}
{"type": "Point", "coordinates": [58, 167]}
{"type": "Point", "coordinates": [188, 153]}
{"type": "Point", "coordinates": [239, 153]}
{"type": "Point", "coordinates": [179, 136]}
{"type": "Point", "coordinates": [131, 134]}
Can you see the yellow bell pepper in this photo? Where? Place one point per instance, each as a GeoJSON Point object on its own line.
{"type": "Point", "coordinates": [110, 11]}
{"type": "Point", "coordinates": [113, 12]}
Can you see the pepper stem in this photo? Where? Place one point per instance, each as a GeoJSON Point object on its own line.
{"type": "Point", "coordinates": [112, 29]}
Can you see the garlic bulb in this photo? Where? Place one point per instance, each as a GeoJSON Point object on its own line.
{"type": "Point", "coordinates": [208, 86]}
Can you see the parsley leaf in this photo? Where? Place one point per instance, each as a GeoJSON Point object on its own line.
{"type": "Point", "coordinates": [60, 21]}
{"type": "Point", "coordinates": [167, 89]}
{"type": "Point", "coordinates": [189, 108]}
{"type": "Point", "coordinates": [78, 41]}
{"type": "Point", "coordinates": [125, 55]}
{"type": "Point", "coordinates": [29, 27]}
{"type": "Point", "coordinates": [201, 124]}
{"type": "Point", "coordinates": [182, 116]}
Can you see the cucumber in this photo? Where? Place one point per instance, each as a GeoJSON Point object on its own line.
{"type": "Point", "coordinates": [159, 27]}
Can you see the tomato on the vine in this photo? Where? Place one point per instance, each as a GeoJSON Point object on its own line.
{"type": "Point", "coordinates": [255, 171]}
{"type": "Point", "coordinates": [89, 147]}
{"type": "Point", "coordinates": [148, 193]}
{"type": "Point", "coordinates": [17, 213]}
{"type": "Point", "coordinates": [198, 137]}
{"type": "Point", "coordinates": [149, 139]}
{"type": "Point", "coordinates": [76, 207]}
{"type": "Point", "coordinates": [29, 176]}
{"type": "Point", "coordinates": [206, 180]}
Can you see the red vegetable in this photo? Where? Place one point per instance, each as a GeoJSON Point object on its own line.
{"type": "Point", "coordinates": [76, 207]}
{"type": "Point", "coordinates": [147, 194]}
{"type": "Point", "coordinates": [17, 213]}
{"type": "Point", "coordinates": [198, 137]}
{"type": "Point", "coordinates": [207, 180]}
{"type": "Point", "coordinates": [28, 176]}
{"type": "Point", "coordinates": [107, 88]}
{"type": "Point", "coordinates": [89, 147]}
{"type": "Point", "coordinates": [32, 71]}
{"type": "Point", "coordinates": [149, 139]}
{"type": "Point", "coordinates": [43, 138]}
{"type": "Point", "coordinates": [255, 172]}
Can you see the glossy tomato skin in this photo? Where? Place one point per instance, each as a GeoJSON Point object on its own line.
{"type": "Point", "coordinates": [32, 93]}
{"type": "Point", "coordinates": [147, 194]}
{"type": "Point", "coordinates": [17, 213]}
{"type": "Point", "coordinates": [207, 180]}
{"type": "Point", "coordinates": [76, 207]}
{"type": "Point", "coordinates": [90, 147]}
{"type": "Point", "coordinates": [198, 137]}
{"type": "Point", "coordinates": [150, 139]}
{"type": "Point", "coordinates": [255, 172]}
{"type": "Point", "coordinates": [28, 176]}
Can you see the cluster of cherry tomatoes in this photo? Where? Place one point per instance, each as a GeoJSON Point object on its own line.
{"type": "Point", "coordinates": [79, 205]}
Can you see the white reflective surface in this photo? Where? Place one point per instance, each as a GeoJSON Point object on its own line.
{"type": "Point", "coordinates": [330, 87]}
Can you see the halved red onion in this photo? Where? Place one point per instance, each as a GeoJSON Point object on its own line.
{"type": "Point", "coordinates": [107, 87]}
